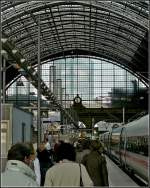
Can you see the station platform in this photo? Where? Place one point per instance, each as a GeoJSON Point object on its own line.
{"type": "Point", "coordinates": [118, 178]}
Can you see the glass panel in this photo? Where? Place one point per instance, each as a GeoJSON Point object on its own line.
{"type": "Point", "coordinates": [92, 79]}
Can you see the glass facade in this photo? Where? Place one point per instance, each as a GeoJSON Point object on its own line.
{"type": "Point", "coordinates": [100, 83]}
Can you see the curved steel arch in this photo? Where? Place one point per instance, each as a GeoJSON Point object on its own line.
{"type": "Point", "coordinates": [113, 18]}
{"type": "Point", "coordinates": [86, 52]}
{"type": "Point", "coordinates": [78, 29]}
{"type": "Point", "coordinates": [104, 28]}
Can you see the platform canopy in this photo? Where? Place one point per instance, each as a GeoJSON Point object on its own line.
{"type": "Point", "coordinates": [116, 30]}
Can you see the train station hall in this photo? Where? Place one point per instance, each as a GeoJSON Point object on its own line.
{"type": "Point", "coordinates": [74, 93]}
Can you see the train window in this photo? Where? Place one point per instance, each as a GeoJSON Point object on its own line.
{"type": "Point", "coordinates": [138, 145]}
{"type": "Point", "coordinates": [115, 140]}
{"type": "Point", "coordinates": [143, 145]}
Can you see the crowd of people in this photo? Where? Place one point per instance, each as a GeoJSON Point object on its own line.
{"type": "Point", "coordinates": [61, 164]}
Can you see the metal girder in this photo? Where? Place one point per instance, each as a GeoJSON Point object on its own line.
{"type": "Point", "coordinates": [113, 29]}
{"type": "Point", "coordinates": [31, 74]}
{"type": "Point", "coordinates": [98, 32]}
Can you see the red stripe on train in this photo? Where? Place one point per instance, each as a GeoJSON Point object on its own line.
{"type": "Point", "coordinates": [135, 159]}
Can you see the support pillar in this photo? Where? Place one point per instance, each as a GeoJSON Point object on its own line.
{"type": "Point", "coordinates": [39, 89]}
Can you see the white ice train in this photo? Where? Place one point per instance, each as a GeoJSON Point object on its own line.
{"type": "Point", "coordinates": [129, 146]}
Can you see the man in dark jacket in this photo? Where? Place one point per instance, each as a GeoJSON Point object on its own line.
{"type": "Point", "coordinates": [95, 164]}
{"type": "Point", "coordinates": [45, 161]}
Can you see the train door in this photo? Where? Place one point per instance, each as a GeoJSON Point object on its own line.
{"type": "Point", "coordinates": [123, 147]}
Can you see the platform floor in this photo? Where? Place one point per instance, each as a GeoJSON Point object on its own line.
{"type": "Point", "coordinates": [117, 178]}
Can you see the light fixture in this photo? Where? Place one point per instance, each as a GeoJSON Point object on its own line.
{"type": "Point", "coordinates": [3, 52]}
{"type": "Point", "coordinates": [141, 98]}
{"type": "Point", "coordinates": [14, 51]}
{"type": "Point", "coordinates": [21, 70]}
{"type": "Point", "coordinates": [28, 67]}
{"type": "Point", "coordinates": [34, 73]}
{"type": "Point", "coordinates": [22, 60]}
{"type": "Point", "coordinates": [3, 40]}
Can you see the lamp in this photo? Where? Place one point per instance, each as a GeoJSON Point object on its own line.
{"type": "Point", "coordinates": [22, 60]}
{"type": "Point", "coordinates": [34, 73]}
{"type": "Point", "coordinates": [3, 40]}
{"type": "Point", "coordinates": [29, 67]}
{"type": "Point", "coordinates": [3, 52]}
{"type": "Point", "coordinates": [14, 51]}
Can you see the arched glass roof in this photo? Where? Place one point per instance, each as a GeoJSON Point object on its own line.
{"type": "Point", "coordinates": [116, 30]}
{"type": "Point", "coordinates": [98, 82]}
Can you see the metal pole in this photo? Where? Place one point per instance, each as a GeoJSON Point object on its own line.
{"type": "Point", "coordinates": [0, 83]}
{"type": "Point", "coordinates": [4, 79]}
{"type": "Point", "coordinates": [50, 80]}
{"type": "Point", "coordinates": [0, 66]}
{"type": "Point", "coordinates": [16, 93]}
{"type": "Point", "coordinates": [51, 69]}
{"type": "Point", "coordinates": [63, 96]}
{"type": "Point", "coordinates": [67, 101]}
{"type": "Point", "coordinates": [61, 93]}
{"type": "Point", "coordinates": [28, 92]}
{"type": "Point", "coordinates": [54, 80]}
{"type": "Point", "coordinates": [123, 115]}
{"type": "Point", "coordinates": [39, 89]}
{"type": "Point", "coordinates": [92, 127]}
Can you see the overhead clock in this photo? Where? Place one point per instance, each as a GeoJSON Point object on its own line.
{"type": "Point", "coordinates": [77, 99]}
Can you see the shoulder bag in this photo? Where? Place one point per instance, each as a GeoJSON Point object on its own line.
{"type": "Point", "coordinates": [81, 182]}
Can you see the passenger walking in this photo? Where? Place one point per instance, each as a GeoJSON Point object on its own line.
{"type": "Point", "coordinates": [35, 165]}
{"type": "Point", "coordinates": [47, 145]}
{"type": "Point", "coordinates": [95, 164]}
{"type": "Point", "coordinates": [56, 149]}
{"type": "Point", "coordinates": [50, 139]}
{"type": "Point", "coordinates": [45, 161]}
{"type": "Point", "coordinates": [82, 149]}
{"type": "Point", "coordinates": [67, 172]}
{"type": "Point", "coordinates": [17, 172]}
{"type": "Point", "coordinates": [46, 134]}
